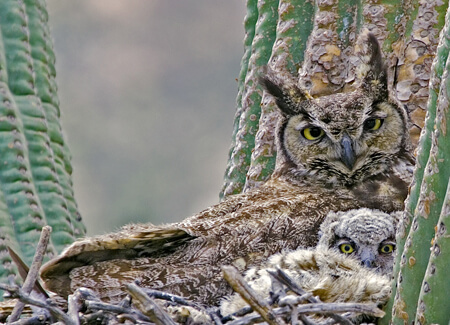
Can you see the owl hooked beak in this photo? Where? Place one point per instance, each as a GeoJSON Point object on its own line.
{"type": "Point", "coordinates": [348, 156]}
{"type": "Point", "coordinates": [367, 258]}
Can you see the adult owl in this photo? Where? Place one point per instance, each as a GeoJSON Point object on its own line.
{"type": "Point", "coordinates": [334, 153]}
{"type": "Point", "coordinates": [352, 262]}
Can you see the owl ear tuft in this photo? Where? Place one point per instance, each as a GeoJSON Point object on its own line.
{"type": "Point", "coordinates": [372, 72]}
{"type": "Point", "coordinates": [286, 93]}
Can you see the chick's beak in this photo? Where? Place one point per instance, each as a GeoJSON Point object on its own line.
{"type": "Point", "coordinates": [368, 258]}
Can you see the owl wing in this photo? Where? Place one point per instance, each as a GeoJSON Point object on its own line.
{"type": "Point", "coordinates": [131, 242]}
{"type": "Point", "coordinates": [250, 225]}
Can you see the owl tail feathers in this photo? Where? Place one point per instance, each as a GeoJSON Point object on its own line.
{"type": "Point", "coordinates": [131, 242]}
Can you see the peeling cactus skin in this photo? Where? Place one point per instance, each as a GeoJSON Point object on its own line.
{"type": "Point", "coordinates": [414, 65]}
{"type": "Point", "coordinates": [35, 170]}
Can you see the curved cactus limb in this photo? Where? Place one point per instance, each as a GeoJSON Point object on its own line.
{"type": "Point", "coordinates": [35, 171]}
{"type": "Point", "coordinates": [234, 179]}
{"type": "Point", "coordinates": [427, 193]}
{"type": "Point", "coordinates": [263, 40]}
{"type": "Point", "coordinates": [434, 305]}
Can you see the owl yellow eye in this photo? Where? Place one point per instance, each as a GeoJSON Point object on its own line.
{"type": "Point", "coordinates": [346, 248]}
{"type": "Point", "coordinates": [373, 124]}
{"type": "Point", "coordinates": [312, 133]}
{"type": "Point", "coordinates": [387, 249]}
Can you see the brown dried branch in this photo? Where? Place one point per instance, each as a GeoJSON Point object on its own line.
{"type": "Point", "coordinates": [148, 306]}
{"type": "Point", "coordinates": [35, 320]}
{"type": "Point", "coordinates": [16, 292]}
{"type": "Point", "coordinates": [97, 305]}
{"type": "Point", "coordinates": [170, 297]}
{"type": "Point", "coordinates": [215, 318]}
{"type": "Point", "coordinates": [237, 282]}
{"type": "Point", "coordinates": [23, 271]}
{"type": "Point", "coordinates": [33, 273]}
{"type": "Point", "coordinates": [285, 300]}
{"type": "Point", "coordinates": [294, 300]}
{"type": "Point", "coordinates": [257, 318]}
{"type": "Point", "coordinates": [326, 308]}
{"type": "Point", "coordinates": [74, 303]}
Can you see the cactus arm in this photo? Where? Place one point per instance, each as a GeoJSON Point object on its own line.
{"type": "Point", "coordinates": [427, 194]}
{"type": "Point", "coordinates": [415, 52]}
{"type": "Point", "coordinates": [59, 205]}
{"type": "Point", "coordinates": [434, 305]}
{"type": "Point", "coordinates": [15, 175]}
{"type": "Point", "coordinates": [31, 182]}
{"type": "Point", "coordinates": [251, 97]}
{"type": "Point", "coordinates": [7, 238]}
{"type": "Point", "coordinates": [232, 175]}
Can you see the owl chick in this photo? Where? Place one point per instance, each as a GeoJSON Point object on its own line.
{"type": "Point", "coordinates": [363, 234]}
{"type": "Point", "coordinates": [334, 153]}
{"type": "Point", "coordinates": [352, 262]}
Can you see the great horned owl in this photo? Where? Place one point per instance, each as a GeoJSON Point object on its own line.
{"type": "Point", "coordinates": [352, 263]}
{"type": "Point", "coordinates": [335, 153]}
{"type": "Point", "coordinates": [363, 234]}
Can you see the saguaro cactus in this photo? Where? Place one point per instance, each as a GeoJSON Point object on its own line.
{"type": "Point", "coordinates": [421, 280]}
{"type": "Point", "coordinates": [35, 169]}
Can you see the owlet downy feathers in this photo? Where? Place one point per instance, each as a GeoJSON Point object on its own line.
{"type": "Point", "coordinates": [334, 153]}
{"type": "Point", "coordinates": [352, 263]}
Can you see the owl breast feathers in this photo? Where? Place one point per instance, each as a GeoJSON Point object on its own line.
{"type": "Point", "coordinates": [334, 153]}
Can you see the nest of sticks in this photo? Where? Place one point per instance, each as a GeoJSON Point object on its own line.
{"type": "Point", "coordinates": [31, 304]}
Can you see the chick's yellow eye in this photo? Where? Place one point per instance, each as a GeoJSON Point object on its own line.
{"type": "Point", "coordinates": [346, 248]}
{"type": "Point", "coordinates": [373, 124]}
{"type": "Point", "coordinates": [386, 249]}
{"type": "Point", "coordinates": [312, 133]}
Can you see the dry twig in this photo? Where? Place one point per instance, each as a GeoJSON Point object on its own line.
{"type": "Point", "coordinates": [35, 320]}
{"type": "Point", "coordinates": [33, 272]}
{"type": "Point", "coordinates": [97, 305]}
{"type": "Point", "coordinates": [239, 285]}
{"type": "Point", "coordinates": [16, 292]}
{"type": "Point", "coordinates": [148, 306]}
{"type": "Point", "coordinates": [170, 297]}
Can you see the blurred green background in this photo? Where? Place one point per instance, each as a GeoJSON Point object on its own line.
{"type": "Point", "coordinates": [147, 91]}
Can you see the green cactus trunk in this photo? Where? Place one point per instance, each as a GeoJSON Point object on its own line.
{"type": "Point", "coordinates": [35, 170]}
{"type": "Point", "coordinates": [421, 286]}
